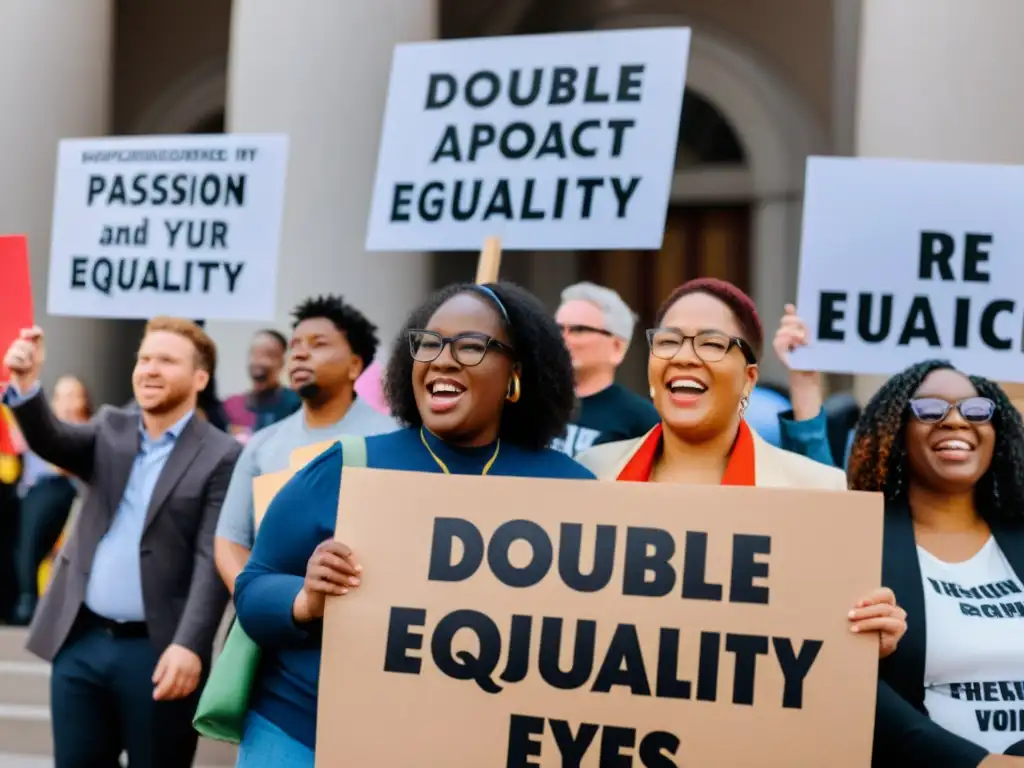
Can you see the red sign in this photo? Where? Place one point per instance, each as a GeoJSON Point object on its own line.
{"type": "Point", "coordinates": [15, 293]}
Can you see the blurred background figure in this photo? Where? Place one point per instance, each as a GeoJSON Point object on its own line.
{"type": "Point", "coordinates": [370, 389]}
{"type": "Point", "coordinates": [12, 449]}
{"type": "Point", "coordinates": [763, 409]}
{"type": "Point", "coordinates": [210, 407]}
{"type": "Point", "coordinates": [267, 402]}
{"type": "Point", "coordinates": [597, 326]}
{"type": "Point", "coordinates": [46, 495]}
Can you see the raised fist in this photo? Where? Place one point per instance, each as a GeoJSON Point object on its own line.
{"type": "Point", "coordinates": [24, 358]}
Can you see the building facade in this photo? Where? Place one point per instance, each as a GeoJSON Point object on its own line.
{"type": "Point", "coordinates": [769, 82]}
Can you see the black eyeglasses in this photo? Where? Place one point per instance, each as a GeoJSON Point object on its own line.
{"type": "Point", "coordinates": [933, 410]}
{"type": "Point", "coordinates": [579, 330]}
{"type": "Point", "coordinates": [709, 346]}
{"type": "Point", "coordinates": [468, 349]}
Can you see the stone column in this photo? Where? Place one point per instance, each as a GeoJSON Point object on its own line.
{"type": "Point", "coordinates": [940, 80]}
{"type": "Point", "coordinates": [318, 71]}
{"type": "Point", "coordinates": [55, 82]}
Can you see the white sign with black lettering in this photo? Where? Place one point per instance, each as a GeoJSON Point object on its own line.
{"type": "Point", "coordinates": [903, 260]}
{"type": "Point", "coordinates": [177, 225]}
{"type": "Point", "coordinates": [548, 142]}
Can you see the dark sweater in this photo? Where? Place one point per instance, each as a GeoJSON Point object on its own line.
{"type": "Point", "coordinates": [301, 516]}
{"type": "Point", "coordinates": [614, 413]}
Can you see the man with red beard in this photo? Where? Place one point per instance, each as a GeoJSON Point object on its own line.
{"type": "Point", "coordinates": [134, 603]}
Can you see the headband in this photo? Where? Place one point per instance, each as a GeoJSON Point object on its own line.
{"type": "Point", "coordinates": [490, 294]}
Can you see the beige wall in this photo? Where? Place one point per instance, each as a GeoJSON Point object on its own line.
{"type": "Point", "coordinates": [793, 36]}
{"type": "Point", "coordinates": [917, 101]}
{"type": "Point", "coordinates": [166, 49]}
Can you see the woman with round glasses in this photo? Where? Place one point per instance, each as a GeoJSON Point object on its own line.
{"type": "Point", "coordinates": [703, 365]}
{"type": "Point", "coordinates": [947, 452]}
{"type": "Point", "coordinates": [702, 369]}
{"type": "Point", "coordinates": [485, 385]}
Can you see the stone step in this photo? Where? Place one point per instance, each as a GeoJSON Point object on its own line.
{"type": "Point", "coordinates": [25, 708]}
{"type": "Point", "coordinates": [25, 730]}
{"type": "Point", "coordinates": [12, 645]}
{"type": "Point", "coordinates": [25, 682]}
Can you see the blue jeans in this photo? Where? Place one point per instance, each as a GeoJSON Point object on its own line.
{"type": "Point", "coordinates": [264, 745]}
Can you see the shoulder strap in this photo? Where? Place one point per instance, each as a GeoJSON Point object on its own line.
{"type": "Point", "coordinates": [353, 450]}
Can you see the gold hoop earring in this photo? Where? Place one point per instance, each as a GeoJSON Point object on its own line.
{"type": "Point", "coordinates": [514, 391]}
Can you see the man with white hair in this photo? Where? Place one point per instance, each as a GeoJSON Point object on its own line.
{"type": "Point", "coordinates": [597, 326]}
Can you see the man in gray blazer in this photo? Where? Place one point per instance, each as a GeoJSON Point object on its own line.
{"type": "Point", "coordinates": [135, 601]}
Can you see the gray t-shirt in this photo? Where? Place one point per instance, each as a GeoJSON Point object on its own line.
{"type": "Point", "coordinates": [269, 450]}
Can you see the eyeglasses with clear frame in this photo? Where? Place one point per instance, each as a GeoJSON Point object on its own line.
{"type": "Point", "coordinates": [709, 346]}
{"type": "Point", "coordinates": [933, 410]}
{"type": "Point", "coordinates": [468, 349]}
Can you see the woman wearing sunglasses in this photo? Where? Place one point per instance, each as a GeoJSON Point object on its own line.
{"type": "Point", "coordinates": [484, 385]}
{"type": "Point", "coordinates": [702, 368]}
{"type": "Point", "coordinates": [947, 451]}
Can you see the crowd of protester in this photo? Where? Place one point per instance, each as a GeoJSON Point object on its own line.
{"type": "Point", "coordinates": [481, 380]}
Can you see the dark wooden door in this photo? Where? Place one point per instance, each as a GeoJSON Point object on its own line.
{"type": "Point", "coordinates": [700, 241]}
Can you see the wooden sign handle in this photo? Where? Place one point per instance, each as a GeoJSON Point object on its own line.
{"type": "Point", "coordinates": [489, 264]}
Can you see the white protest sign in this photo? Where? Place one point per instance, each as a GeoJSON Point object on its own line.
{"type": "Point", "coordinates": [547, 142]}
{"type": "Point", "coordinates": [902, 261]}
{"type": "Point", "coordinates": [178, 225]}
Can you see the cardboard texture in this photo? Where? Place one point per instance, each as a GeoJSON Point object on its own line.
{"type": "Point", "coordinates": [300, 457]}
{"type": "Point", "coordinates": [264, 489]}
{"type": "Point", "coordinates": [16, 310]}
{"type": "Point", "coordinates": [825, 553]}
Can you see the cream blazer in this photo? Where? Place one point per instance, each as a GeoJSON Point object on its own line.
{"type": "Point", "coordinates": [773, 467]}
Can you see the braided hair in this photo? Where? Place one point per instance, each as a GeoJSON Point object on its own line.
{"type": "Point", "coordinates": [878, 458]}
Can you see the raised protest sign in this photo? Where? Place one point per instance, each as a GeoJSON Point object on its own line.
{"type": "Point", "coordinates": [15, 294]}
{"type": "Point", "coordinates": [544, 141]}
{"type": "Point", "coordinates": [521, 622]}
{"type": "Point", "coordinates": [902, 261]}
{"type": "Point", "coordinates": [177, 225]}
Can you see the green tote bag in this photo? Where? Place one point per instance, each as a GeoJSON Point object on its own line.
{"type": "Point", "coordinates": [224, 702]}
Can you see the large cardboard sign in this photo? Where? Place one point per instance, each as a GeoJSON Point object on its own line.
{"type": "Point", "coordinates": [902, 261]}
{"type": "Point", "coordinates": [264, 489]}
{"type": "Point", "coordinates": [545, 141]}
{"type": "Point", "coordinates": [178, 225]}
{"type": "Point", "coordinates": [521, 622]}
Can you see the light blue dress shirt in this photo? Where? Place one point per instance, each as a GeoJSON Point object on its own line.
{"type": "Point", "coordinates": [114, 590]}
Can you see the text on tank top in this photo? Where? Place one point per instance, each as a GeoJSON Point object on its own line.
{"type": "Point", "coordinates": [974, 666]}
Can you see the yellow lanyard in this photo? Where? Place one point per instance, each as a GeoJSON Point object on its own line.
{"type": "Point", "coordinates": [444, 467]}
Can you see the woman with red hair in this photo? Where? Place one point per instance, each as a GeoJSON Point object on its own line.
{"type": "Point", "coordinates": [702, 368]}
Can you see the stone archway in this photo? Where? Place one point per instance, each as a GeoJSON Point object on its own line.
{"type": "Point", "coordinates": [777, 130]}
{"type": "Point", "coordinates": [195, 101]}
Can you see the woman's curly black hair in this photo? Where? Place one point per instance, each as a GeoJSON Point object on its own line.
{"type": "Point", "coordinates": [545, 369]}
{"type": "Point", "coordinates": [878, 457]}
